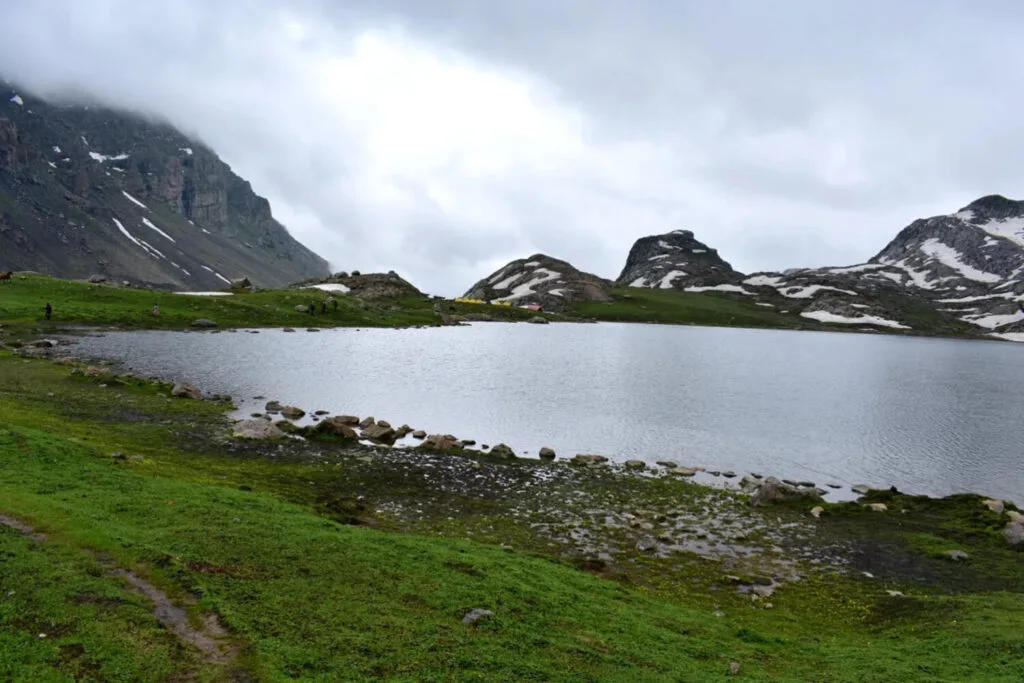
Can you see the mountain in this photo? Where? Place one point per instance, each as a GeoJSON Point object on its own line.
{"type": "Point", "coordinates": [543, 281]}
{"type": "Point", "coordinates": [388, 285]}
{"type": "Point", "coordinates": [87, 190]}
{"type": "Point", "coordinates": [676, 260]}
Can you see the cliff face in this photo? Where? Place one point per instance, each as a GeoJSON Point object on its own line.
{"type": "Point", "coordinates": [86, 190]}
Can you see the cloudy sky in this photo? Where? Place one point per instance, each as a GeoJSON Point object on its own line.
{"type": "Point", "coordinates": [443, 138]}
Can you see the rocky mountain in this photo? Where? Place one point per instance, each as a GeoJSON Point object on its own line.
{"type": "Point", "coordinates": [542, 281]}
{"type": "Point", "coordinates": [87, 190]}
{"type": "Point", "coordinates": [677, 260]}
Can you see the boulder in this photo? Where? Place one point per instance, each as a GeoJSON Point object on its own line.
{"type": "Point", "coordinates": [503, 451]}
{"type": "Point", "coordinates": [440, 442]}
{"type": "Point", "coordinates": [647, 544]}
{"type": "Point", "coordinates": [588, 459]}
{"type": "Point", "coordinates": [402, 431]}
{"type": "Point", "coordinates": [816, 511]}
{"type": "Point", "coordinates": [383, 423]}
{"type": "Point", "coordinates": [538, 320]}
{"type": "Point", "coordinates": [256, 429]}
{"type": "Point", "coordinates": [240, 283]}
{"type": "Point", "coordinates": [1014, 533]}
{"type": "Point", "coordinates": [546, 453]}
{"type": "Point", "coordinates": [43, 343]}
{"type": "Point", "coordinates": [273, 407]}
{"type": "Point", "coordinates": [635, 465]}
{"type": "Point", "coordinates": [995, 506]}
{"type": "Point", "coordinates": [668, 464]}
{"type": "Point", "coordinates": [1015, 516]}
{"type": "Point", "coordinates": [292, 413]}
{"type": "Point", "coordinates": [204, 323]}
{"type": "Point", "coordinates": [301, 308]}
{"type": "Point", "coordinates": [860, 489]}
{"type": "Point", "coordinates": [350, 420]}
{"type": "Point", "coordinates": [685, 471]}
{"type": "Point", "coordinates": [335, 426]}
{"type": "Point", "coordinates": [97, 279]}
{"type": "Point", "coordinates": [957, 555]}
{"type": "Point", "coordinates": [419, 434]}
{"type": "Point", "coordinates": [186, 390]}
{"type": "Point", "coordinates": [877, 507]}
{"type": "Point", "coordinates": [772, 490]}
{"type": "Point", "coordinates": [366, 422]}
{"type": "Point", "coordinates": [381, 432]}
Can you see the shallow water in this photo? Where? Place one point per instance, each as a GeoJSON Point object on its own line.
{"type": "Point", "coordinates": [927, 415]}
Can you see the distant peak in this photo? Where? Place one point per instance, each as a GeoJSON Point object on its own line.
{"type": "Point", "coordinates": [995, 206]}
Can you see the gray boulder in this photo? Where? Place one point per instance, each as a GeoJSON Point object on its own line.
{"type": "Point", "coordinates": [292, 413]}
{"type": "Point", "coordinates": [503, 451]}
{"type": "Point", "coordinates": [256, 429]}
{"type": "Point", "coordinates": [546, 453]}
{"type": "Point", "coordinates": [1014, 533]}
{"type": "Point", "coordinates": [635, 465]}
{"type": "Point", "coordinates": [440, 442]}
{"type": "Point", "coordinates": [381, 432]}
{"type": "Point", "coordinates": [588, 460]}
{"type": "Point", "coordinates": [186, 390]}
{"type": "Point", "coordinates": [97, 279]}
{"type": "Point", "coordinates": [240, 283]}
{"type": "Point", "coordinates": [475, 615]}
{"type": "Point", "coordinates": [772, 490]}
{"type": "Point", "coordinates": [334, 426]}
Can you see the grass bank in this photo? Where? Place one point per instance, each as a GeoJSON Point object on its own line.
{"type": "Point", "coordinates": [327, 561]}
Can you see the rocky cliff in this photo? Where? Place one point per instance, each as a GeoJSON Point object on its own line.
{"type": "Point", "coordinates": [675, 260]}
{"type": "Point", "coordinates": [543, 281]}
{"type": "Point", "coordinates": [87, 190]}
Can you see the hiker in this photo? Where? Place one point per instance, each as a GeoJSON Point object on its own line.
{"type": "Point", "coordinates": [312, 308]}
{"type": "Point", "coordinates": [49, 310]}
{"type": "Point", "coordinates": [156, 310]}
{"type": "Point", "coordinates": [323, 306]}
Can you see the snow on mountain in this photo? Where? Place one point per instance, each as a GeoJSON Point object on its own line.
{"type": "Point", "coordinates": [541, 281]}
{"type": "Point", "coordinates": [675, 260]}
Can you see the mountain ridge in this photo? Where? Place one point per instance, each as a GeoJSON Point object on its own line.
{"type": "Point", "coordinates": [88, 190]}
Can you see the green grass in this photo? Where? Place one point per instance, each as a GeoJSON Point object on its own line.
{"type": "Point", "coordinates": [630, 304]}
{"type": "Point", "coordinates": [308, 598]}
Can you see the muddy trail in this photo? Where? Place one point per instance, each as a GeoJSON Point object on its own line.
{"type": "Point", "coordinates": [210, 641]}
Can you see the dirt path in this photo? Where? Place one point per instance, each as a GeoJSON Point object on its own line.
{"type": "Point", "coordinates": [211, 639]}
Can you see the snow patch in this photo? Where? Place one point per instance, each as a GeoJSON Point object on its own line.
{"type": "Point", "coordinates": [1009, 228]}
{"type": "Point", "coordinates": [826, 317]}
{"type": "Point", "coordinates": [948, 256]}
{"type": "Point", "coordinates": [531, 264]}
{"type": "Point", "coordinates": [205, 293]}
{"type": "Point", "coordinates": [797, 292]}
{"type": "Point", "coordinates": [699, 251]}
{"type": "Point", "coordinates": [1009, 336]}
{"type": "Point", "coordinates": [542, 275]}
{"type": "Point", "coordinates": [666, 281]}
{"type": "Point", "coordinates": [968, 299]}
{"type": "Point", "coordinates": [557, 292]}
{"type": "Point", "coordinates": [56, 149]}
{"type": "Point", "coordinates": [658, 257]}
{"type": "Point", "coordinates": [860, 268]}
{"type": "Point", "coordinates": [507, 282]}
{"type": "Point", "coordinates": [84, 141]}
{"type": "Point", "coordinates": [52, 165]}
{"type": "Point", "coordinates": [966, 215]}
{"type": "Point", "coordinates": [761, 303]}
{"type": "Point", "coordinates": [103, 157]}
{"type": "Point", "coordinates": [17, 100]}
{"type": "Point", "coordinates": [991, 322]}
{"type": "Point", "coordinates": [763, 281]}
{"type": "Point", "coordinates": [665, 245]}
{"type": "Point", "coordinates": [186, 150]}
{"type": "Point", "coordinates": [126, 233]}
{"type": "Point", "coordinates": [135, 201]}
{"type": "Point", "coordinates": [719, 288]}
{"type": "Point", "coordinates": [149, 247]}
{"type": "Point", "coordinates": [333, 287]}
{"type": "Point", "coordinates": [639, 282]}
{"type": "Point", "coordinates": [149, 224]}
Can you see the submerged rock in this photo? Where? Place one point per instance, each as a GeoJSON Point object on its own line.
{"type": "Point", "coordinates": [256, 429]}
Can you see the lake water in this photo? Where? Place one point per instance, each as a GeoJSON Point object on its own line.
{"type": "Point", "coordinates": [927, 415]}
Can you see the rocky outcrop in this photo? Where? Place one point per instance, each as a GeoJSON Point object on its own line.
{"type": "Point", "coordinates": [677, 260]}
{"type": "Point", "coordinates": [370, 286]}
{"type": "Point", "coordinates": [91, 191]}
{"type": "Point", "coordinates": [540, 280]}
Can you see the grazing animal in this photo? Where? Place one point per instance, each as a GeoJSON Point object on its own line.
{"type": "Point", "coordinates": [6, 277]}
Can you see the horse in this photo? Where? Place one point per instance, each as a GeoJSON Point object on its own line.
{"type": "Point", "coordinates": [6, 277]}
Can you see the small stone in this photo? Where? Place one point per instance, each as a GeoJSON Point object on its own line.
{"type": "Point", "coordinates": [635, 465]}
{"type": "Point", "coordinates": [729, 475]}
{"type": "Point", "coordinates": [476, 466]}
{"type": "Point", "coordinates": [877, 507]}
{"type": "Point", "coordinates": [647, 544]}
{"type": "Point", "coordinates": [957, 555]}
{"type": "Point", "coordinates": [685, 471]}
{"type": "Point", "coordinates": [816, 511]}
{"type": "Point", "coordinates": [321, 412]}
{"type": "Point", "coordinates": [668, 464]}
{"type": "Point", "coordinates": [186, 390]}
{"type": "Point", "coordinates": [834, 485]}
{"type": "Point", "coordinates": [475, 615]}
{"type": "Point", "coordinates": [734, 668]}
{"type": "Point", "coordinates": [895, 594]}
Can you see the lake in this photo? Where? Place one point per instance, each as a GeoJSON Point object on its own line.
{"type": "Point", "coordinates": [929, 416]}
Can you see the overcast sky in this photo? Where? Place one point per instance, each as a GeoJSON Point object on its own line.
{"type": "Point", "coordinates": [443, 138]}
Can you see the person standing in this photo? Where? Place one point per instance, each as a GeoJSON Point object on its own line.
{"type": "Point", "coordinates": [156, 309]}
{"type": "Point", "coordinates": [48, 310]}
